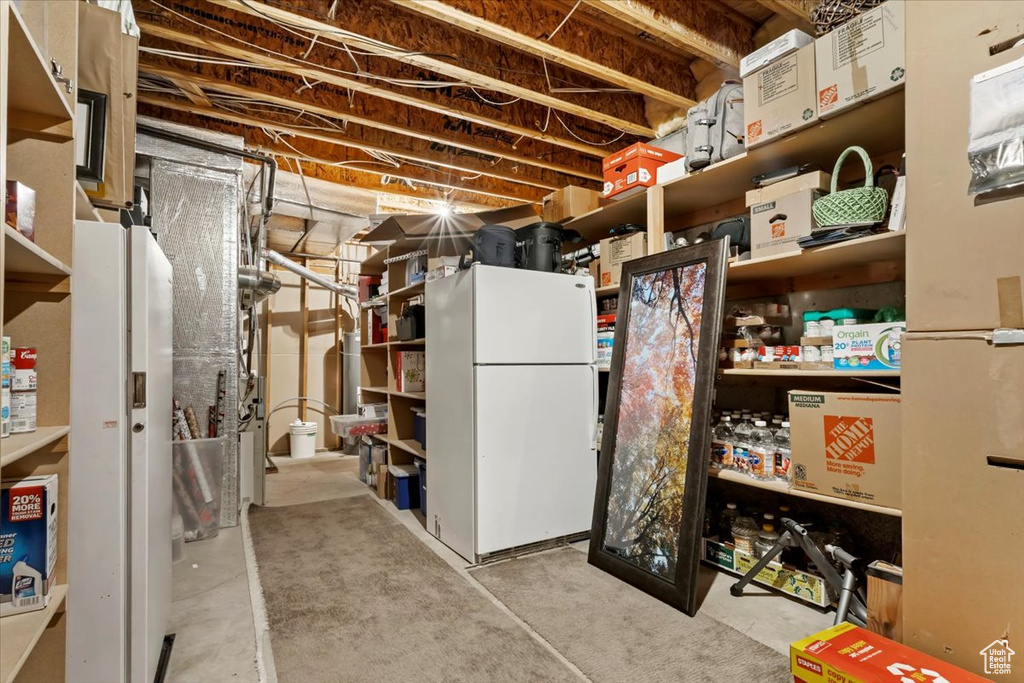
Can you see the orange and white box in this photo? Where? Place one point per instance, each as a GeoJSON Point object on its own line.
{"type": "Point", "coordinates": [847, 445]}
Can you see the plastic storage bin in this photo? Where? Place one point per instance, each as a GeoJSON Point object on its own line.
{"type": "Point", "coordinates": [407, 486]}
{"type": "Point", "coordinates": [357, 425]}
{"type": "Point", "coordinates": [419, 426]}
{"type": "Point", "coordinates": [198, 471]}
{"type": "Point", "coordinates": [421, 465]}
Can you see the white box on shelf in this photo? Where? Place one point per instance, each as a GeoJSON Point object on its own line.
{"type": "Point", "coordinates": [780, 47]}
{"type": "Point", "coordinates": [410, 372]}
{"type": "Point", "coordinates": [780, 98]}
{"type": "Point", "coordinates": [671, 171]}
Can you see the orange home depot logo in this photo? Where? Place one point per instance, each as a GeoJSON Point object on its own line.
{"type": "Point", "coordinates": [828, 96]}
{"type": "Point", "coordinates": [849, 438]}
{"type": "Point", "coordinates": [754, 130]}
{"type": "Point", "coordinates": [778, 229]}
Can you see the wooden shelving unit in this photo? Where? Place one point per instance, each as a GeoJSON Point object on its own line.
{"type": "Point", "coordinates": [785, 489]}
{"type": "Point", "coordinates": [37, 149]}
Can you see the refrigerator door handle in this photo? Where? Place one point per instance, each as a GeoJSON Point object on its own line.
{"type": "Point", "coordinates": [593, 326]}
{"type": "Point", "coordinates": [597, 405]}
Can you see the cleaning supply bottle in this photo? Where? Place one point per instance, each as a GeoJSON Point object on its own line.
{"type": "Point", "coordinates": [26, 583]}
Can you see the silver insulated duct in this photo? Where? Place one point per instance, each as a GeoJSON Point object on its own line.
{"type": "Point", "coordinates": [256, 285]}
{"type": "Point", "coordinates": [348, 291]}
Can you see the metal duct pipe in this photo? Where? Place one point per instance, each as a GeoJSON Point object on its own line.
{"type": "Point", "coordinates": [256, 285]}
{"type": "Point", "coordinates": [350, 371]}
{"type": "Point", "coordinates": [348, 291]}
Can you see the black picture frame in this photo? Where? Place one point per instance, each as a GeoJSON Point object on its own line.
{"type": "Point", "coordinates": [680, 590]}
{"type": "Point", "coordinates": [93, 129]}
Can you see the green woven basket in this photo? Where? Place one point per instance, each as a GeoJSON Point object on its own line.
{"type": "Point", "coordinates": [860, 205]}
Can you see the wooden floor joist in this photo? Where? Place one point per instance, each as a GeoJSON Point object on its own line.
{"type": "Point", "coordinates": [678, 84]}
{"type": "Point", "coordinates": [359, 16]}
{"type": "Point", "coordinates": [690, 26]}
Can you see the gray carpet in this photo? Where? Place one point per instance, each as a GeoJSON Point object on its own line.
{"type": "Point", "coordinates": [615, 633]}
{"type": "Point", "coordinates": [352, 595]}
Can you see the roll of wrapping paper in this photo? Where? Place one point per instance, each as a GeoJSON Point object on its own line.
{"type": "Point", "coordinates": [190, 514]}
{"type": "Point", "coordinates": [211, 421]}
{"type": "Point", "coordinates": [182, 431]}
{"type": "Point", "coordinates": [193, 423]}
{"type": "Point", "coordinates": [222, 392]}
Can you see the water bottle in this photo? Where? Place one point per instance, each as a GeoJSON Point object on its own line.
{"type": "Point", "coordinates": [776, 425]}
{"type": "Point", "coordinates": [741, 444]}
{"type": "Point", "coordinates": [783, 453]}
{"type": "Point", "coordinates": [725, 521]}
{"type": "Point", "coordinates": [721, 444]}
{"type": "Point", "coordinates": [762, 452]}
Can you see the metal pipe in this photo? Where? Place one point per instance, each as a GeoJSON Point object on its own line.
{"type": "Point", "coordinates": [268, 161]}
{"type": "Point", "coordinates": [256, 285]}
{"type": "Point", "coordinates": [348, 291]}
{"type": "Point", "coordinates": [321, 257]}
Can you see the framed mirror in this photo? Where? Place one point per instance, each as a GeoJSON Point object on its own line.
{"type": "Point", "coordinates": [90, 135]}
{"type": "Point", "coordinates": [652, 478]}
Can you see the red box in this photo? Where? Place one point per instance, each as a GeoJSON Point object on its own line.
{"type": "Point", "coordinates": [634, 167]}
{"type": "Point", "coordinates": [850, 654]}
{"type": "Point", "coordinates": [368, 286]}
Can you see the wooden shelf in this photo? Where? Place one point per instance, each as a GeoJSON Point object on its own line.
{"type": "Point", "coordinates": [879, 374]}
{"type": "Point", "coordinates": [417, 395]}
{"type": "Point", "coordinates": [607, 291]}
{"type": "Point", "coordinates": [36, 104]}
{"type": "Point", "coordinates": [20, 633]}
{"type": "Point", "coordinates": [17, 446]}
{"type": "Point", "coordinates": [888, 246]}
{"type": "Point", "coordinates": [412, 342]}
{"type": "Point", "coordinates": [22, 255]}
{"type": "Point", "coordinates": [783, 488]}
{"type": "Point", "coordinates": [380, 345]}
{"type": "Point", "coordinates": [377, 260]}
{"type": "Point", "coordinates": [409, 446]}
{"type": "Point", "coordinates": [374, 390]}
{"type": "Point", "coordinates": [604, 369]}
{"type": "Point", "coordinates": [877, 126]}
{"type": "Point", "coordinates": [411, 290]}
{"type": "Point", "coordinates": [595, 225]}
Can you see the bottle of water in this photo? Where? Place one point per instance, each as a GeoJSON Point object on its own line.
{"type": "Point", "coordinates": [741, 444]}
{"type": "Point", "coordinates": [776, 425]}
{"type": "Point", "coordinates": [762, 452]}
{"type": "Point", "coordinates": [783, 453]}
{"type": "Point", "coordinates": [722, 443]}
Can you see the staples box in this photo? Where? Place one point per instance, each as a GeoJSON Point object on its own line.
{"type": "Point", "coordinates": [814, 180]}
{"type": "Point", "coordinates": [635, 167]}
{"type": "Point", "coordinates": [775, 226]}
{"type": "Point", "coordinates": [847, 445]}
{"type": "Point", "coordinates": [852, 654]}
{"type": "Point", "coordinates": [780, 47]}
{"type": "Point", "coordinates": [568, 203]}
{"type": "Point", "coordinates": [617, 250]}
{"type": "Point", "coordinates": [780, 98]}
{"type": "Point", "coordinates": [410, 372]}
{"type": "Point", "coordinates": [876, 346]}
{"type": "Point", "coordinates": [28, 543]}
{"type": "Point", "coordinates": [861, 60]}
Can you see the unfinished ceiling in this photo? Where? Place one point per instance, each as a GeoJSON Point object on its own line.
{"type": "Point", "coordinates": [485, 102]}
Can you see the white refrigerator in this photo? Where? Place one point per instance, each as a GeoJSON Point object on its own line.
{"type": "Point", "coordinates": [512, 402]}
{"type": "Point", "coordinates": [119, 547]}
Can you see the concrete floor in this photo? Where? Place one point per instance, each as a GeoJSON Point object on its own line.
{"type": "Point", "coordinates": [213, 616]}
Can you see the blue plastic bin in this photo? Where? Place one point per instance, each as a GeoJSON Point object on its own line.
{"type": "Point", "coordinates": [421, 465]}
{"type": "Point", "coordinates": [419, 426]}
{"type": "Point", "coordinates": [407, 486]}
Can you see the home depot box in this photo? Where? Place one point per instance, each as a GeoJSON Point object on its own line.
{"type": "Point", "coordinates": [861, 60]}
{"type": "Point", "coordinates": [633, 168]}
{"type": "Point", "coordinates": [569, 202]}
{"type": "Point", "coordinates": [847, 445]}
{"type": "Point", "coordinates": [815, 180]}
{"type": "Point", "coordinates": [410, 372]}
{"type": "Point", "coordinates": [28, 543]}
{"type": "Point", "coordinates": [875, 346]}
{"type": "Point", "coordinates": [780, 98]}
{"type": "Point", "coordinates": [851, 654]}
{"type": "Point", "coordinates": [617, 250]}
{"type": "Point", "coordinates": [775, 226]}
{"type": "Point", "coordinates": [595, 270]}
{"type": "Point", "coordinates": [963, 450]}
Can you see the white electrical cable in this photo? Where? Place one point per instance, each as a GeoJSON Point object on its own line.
{"type": "Point", "coordinates": [302, 398]}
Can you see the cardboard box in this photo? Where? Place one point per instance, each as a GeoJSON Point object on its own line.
{"type": "Point", "coordinates": [633, 168]}
{"type": "Point", "coordinates": [876, 346]}
{"type": "Point", "coordinates": [673, 170]}
{"type": "Point", "coordinates": [568, 203]}
{"type": "Point", "coordinates": [383, 480]}
{"type": "Point", "coordinates": [780, 47]}
{"type": "Point", "coordinates": [775, 226]}
{"type": "Point", "coordinates": [861, 60]}
{"type": "Point", "coordinates": [780, 98]}
{"type": "Point", "coordinates": [963, 446]}
{"type": "Point", "coordinates": [20, 208]}
{"type": "Point", "coordinates": [368, 287]}
{"type": "Point", "coordinates": [410, 371]}
{"type": "Point", "coordinates": [815, 180]}
{"type": "Point", "coordinates": [595, 270]}
{"type": "Point", "coordinates": [781, 577]}
{"type": "Point", "coordinates": [28, 543]}
{"type": "Point", "coordinates": [617, 250]}
{"type": "Point", "coordinates": [850, 654]}
{"type": "Point", "coordinates": [847, 445]}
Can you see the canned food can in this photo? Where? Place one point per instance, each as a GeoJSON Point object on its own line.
{"type": "Point", "coordinates": [766, 354]}
{"type": "Point", "coordinates": [826, 326]}
{"type": "Point", "coordinates": [23, 358]}
{"type": "Point", "coordinates": [23, 412]}
{"type": "Point", "coordinates": [828, 353]}
{"type": "Point", "coordinates": [812, 354]}
{"type": "Point", "coordinates": [793, 354]}
{"type": "Point", "coordinates": [812, 328]}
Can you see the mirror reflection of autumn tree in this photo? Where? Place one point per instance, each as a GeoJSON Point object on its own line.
{"type": "Point", "coordinates": [645, 502]}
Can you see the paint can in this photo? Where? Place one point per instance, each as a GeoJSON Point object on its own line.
{"type": "Point", "coordinates": [23, 412]}
{"type": "Point", "coordinates": [23, 360]}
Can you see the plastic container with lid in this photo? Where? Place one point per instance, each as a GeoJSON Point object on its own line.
{"type": "Point", "coordinates": [783, 453]}
{"type": "Point", "coordinates": [761, 454]}
{"type": "Point", "coordinates": [722, 444]}
{"type": "Point", "coordinates": [726, 520]}
{"type": "Point", "coordinates": [741, 445]}
{"type": "Point", "coordinates": [765, 541]}
{"type": "Point", "coordinates": [744, 533]}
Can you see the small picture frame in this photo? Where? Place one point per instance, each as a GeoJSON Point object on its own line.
{"type": "Point", "coordinates": [90, 135]}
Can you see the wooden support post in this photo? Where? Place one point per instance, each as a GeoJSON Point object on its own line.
{"type": "Point", "coordinates": [339, 372]}
{"type": "Point", "coordinates": [655, 219]}
{"type": "Point", "coordinates": [303, 344]}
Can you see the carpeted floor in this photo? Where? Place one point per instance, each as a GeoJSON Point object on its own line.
{"type": "Point", "coordinates": [615, 633]}
{"type": "Point", "coordinates": [352, 595]}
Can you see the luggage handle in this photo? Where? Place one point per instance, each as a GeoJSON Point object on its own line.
{"type": "Point", "coordinates": [706, 122]}
{"type": "Point", "coordinates": [465, 253]}
{"type": "Point", "coordinates": [869, 180]}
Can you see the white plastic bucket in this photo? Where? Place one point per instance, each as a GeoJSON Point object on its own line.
{"type": "Point", "coordinates": [303, 438]}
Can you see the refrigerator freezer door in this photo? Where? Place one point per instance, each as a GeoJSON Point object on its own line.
{"type": "Point", "coordinates": [528, 317]}
{"type": "Point", "coordinates": [150, 386]}
{"type": "Point", "coordinates": [536, 471]}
